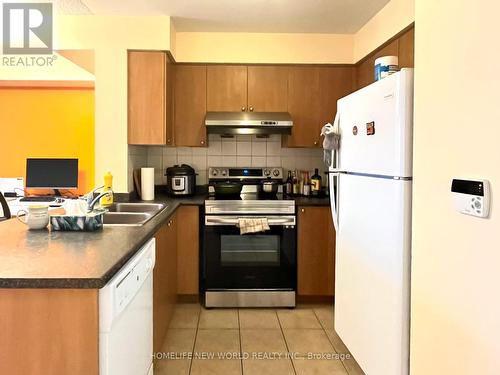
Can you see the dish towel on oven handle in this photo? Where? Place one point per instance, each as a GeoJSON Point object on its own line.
{"type": "Point", "coordinates": [253, 225]}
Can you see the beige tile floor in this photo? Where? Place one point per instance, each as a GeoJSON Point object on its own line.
{"type": "Point", "coordinates": [197, 336]}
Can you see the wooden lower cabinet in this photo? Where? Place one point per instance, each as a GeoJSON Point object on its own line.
{"type": "Point", "coordinates": [188, 264]}
{"type": "Point", "coordinates": [316, 251]}
{"type": "Point", "coordinates": [164, 280]}
{"type": "Point", "coordinates": [49, 331]}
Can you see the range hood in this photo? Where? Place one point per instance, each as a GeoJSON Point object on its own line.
{"type": "Point", "coordinates": [259, 123]}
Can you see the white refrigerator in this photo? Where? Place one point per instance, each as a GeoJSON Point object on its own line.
{"type": "Point", "coordinates": [371, 185]}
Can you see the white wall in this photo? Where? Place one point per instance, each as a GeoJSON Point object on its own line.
{"type": "Point", "coordinates": [110, 37]}
{"type": "Point", "coordinates": [456, 258]}
{"type": "Point", "coordinates": [390, 20]}
{"type": "Point", "coordinates": [291, 48]}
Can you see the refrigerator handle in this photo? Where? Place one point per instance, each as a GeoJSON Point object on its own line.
{"type": "Point", "coordinates": [334, 192]}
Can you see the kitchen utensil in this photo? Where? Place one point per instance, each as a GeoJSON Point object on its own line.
{"type": "Point", "coordinates": [181, 180]}
{"type": "Point", "coordinates": [228, 188]}
{"type": "Point", "coordinates": [269, 186]}
{"type": "Point", "coordinates": [35, 217]}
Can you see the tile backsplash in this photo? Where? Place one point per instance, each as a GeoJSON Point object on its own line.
{"type": "Point", "coordinates": [241, 151]}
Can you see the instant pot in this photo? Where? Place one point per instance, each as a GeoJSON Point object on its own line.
{"type": "Point", "coordinates": [181, 180]}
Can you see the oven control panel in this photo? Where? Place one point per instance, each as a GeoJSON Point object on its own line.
{"type": "Point", "coordinates": [245, 173]}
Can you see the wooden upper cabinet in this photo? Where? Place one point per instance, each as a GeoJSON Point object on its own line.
{"type": "Point", "coordinates": [226, 88]}
{"type": "Point", "coordinates": [316, 251]}
{"type": "Point", "coordinates": [190, 105]}
{"type": "Point", "coordinates": [407, 49]}
{"type": "Point", "coordinates": [268, 88]}
{"type": "Point", "coordinates": [335, 83]}
{"type": "Point", "coordinates": [303, 105]}
{"type": "Point", "coordinates": [149, 98]}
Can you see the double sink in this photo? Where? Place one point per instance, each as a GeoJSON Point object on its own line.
{"type": "Point", "coordinates": [131, 214]}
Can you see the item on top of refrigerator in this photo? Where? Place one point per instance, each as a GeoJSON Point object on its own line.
{"type": "Point", "coordinates": [316, 183]}
{"type": "Point", "coordinates": [385, 66]}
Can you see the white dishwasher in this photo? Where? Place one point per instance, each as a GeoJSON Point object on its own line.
{"type": "Point", "coordinates": [126, 317]}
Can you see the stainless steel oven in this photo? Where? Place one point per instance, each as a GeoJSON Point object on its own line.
{"type": "Point", "coordinates": [257, 269]}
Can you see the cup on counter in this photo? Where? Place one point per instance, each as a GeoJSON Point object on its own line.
{"type": "Point", "coordinates": [36, 217]}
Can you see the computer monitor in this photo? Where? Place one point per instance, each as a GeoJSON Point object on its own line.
{"type": "Point", "coordinates": [52, 174]}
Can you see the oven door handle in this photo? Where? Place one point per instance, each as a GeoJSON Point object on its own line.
{"type": "Point", "coordinates": [234, 220]}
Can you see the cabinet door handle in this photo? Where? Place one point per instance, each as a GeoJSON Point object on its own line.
{"type": "Point", "coordinates": [250, 109]}
{"type": "Point", "coordinates": [202, 142]}
{"type": "Point", "coordinates": [316, 143]}
{"type": "Point", "coordinates": [243, 109]}
{"type": "Point", "coordinates": [302, 210]}
{"type": "Point", "coordinates": [169, 141]}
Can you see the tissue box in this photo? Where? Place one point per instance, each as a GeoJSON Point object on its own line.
{"type": "Point", "coordinates": [93, 221]}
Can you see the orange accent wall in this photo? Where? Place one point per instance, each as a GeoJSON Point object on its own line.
{"type": "Point", "coordinates": [49, 122]}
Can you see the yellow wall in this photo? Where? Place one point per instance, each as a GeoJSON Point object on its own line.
{"type": "Point", "coordinates": [390, 20]}
{"type": "Point", "coordinates": [456, 258]}
{"type": "Point", "coordinates": [263, 48]}
{"type": "Point", "coordinates": [47, 123]}
{"type": "Point", "coordinates": [110, 37]}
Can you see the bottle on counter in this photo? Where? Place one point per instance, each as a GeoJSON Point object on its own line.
{"type": "Point", "coordinates": [289, 184]}
{"type": "Point", "coordinates": [306, 190]}
{"type": "Point", "coordinates": [316, 183]}
{"type": "Point", "coordinates": [107, 200]}
{"type": "Point", "coordinates": [296, 183]}
{"type": "Point", "coordinates": [301, 183]}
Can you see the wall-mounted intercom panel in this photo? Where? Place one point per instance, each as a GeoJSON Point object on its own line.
{"type": "Point", "coordinates": [471, 197]}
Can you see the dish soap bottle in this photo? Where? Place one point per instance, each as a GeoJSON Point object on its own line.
{"type": "Point", "coordinates": [107, 200]}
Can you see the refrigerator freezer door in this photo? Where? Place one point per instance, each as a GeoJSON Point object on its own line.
{"type": "Point", "coordinates": [373, 272]}
{"type": "Point", "coordinates": [376, 125]}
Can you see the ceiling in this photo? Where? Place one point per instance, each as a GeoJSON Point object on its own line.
{"type": "Point", "coordinates": [280, 16]}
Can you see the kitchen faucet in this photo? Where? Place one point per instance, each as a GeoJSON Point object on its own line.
{"type": "Point", "coordinates": [90, 206]}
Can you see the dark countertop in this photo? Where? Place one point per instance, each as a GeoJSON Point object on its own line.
{"type": "Point", "coordinates": [50, 259]}
{"type": "Point", "coordinates": [312, 201]}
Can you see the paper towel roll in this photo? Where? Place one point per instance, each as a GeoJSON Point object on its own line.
{"type": "Point", "coordinates": [147, 184]}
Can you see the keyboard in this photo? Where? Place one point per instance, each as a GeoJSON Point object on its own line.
{"type": "Point", "coordinates": [37, 199]}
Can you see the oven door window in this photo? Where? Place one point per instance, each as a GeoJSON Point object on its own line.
{"type": "Point", "coordinates": [253, 250]}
